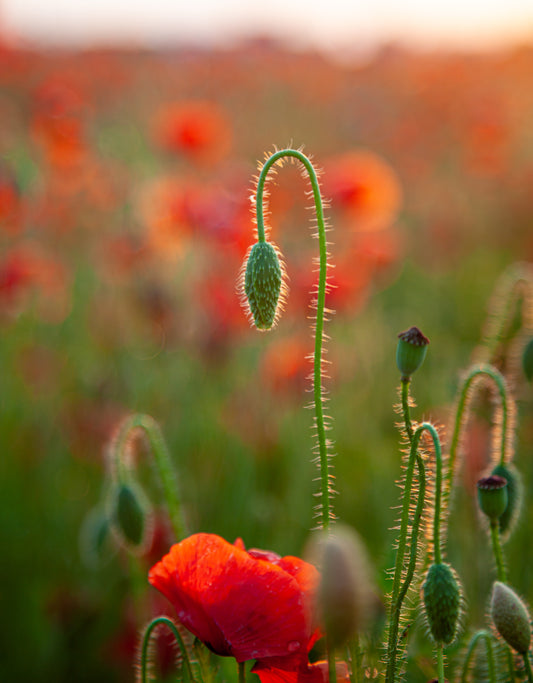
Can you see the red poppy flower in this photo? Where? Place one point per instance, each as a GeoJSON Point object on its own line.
{"type": "Point", "coordinates": [246, 604]}
{"type": "Point", "coordinates": [307, 673]}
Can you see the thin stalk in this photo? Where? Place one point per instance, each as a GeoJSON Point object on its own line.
{"type": "Point", "coordinates": [146, 642]}
{"type": "Point", "coordinates": [487, 638]}
{"type": "Point", "coordinates": [406, 411]}
{"type": "Point", "coordinates": [356, 658]}
{"type": "Point", "coordinates": [497, 550]}
{"type": "Point", "coordinates": [320, 311]}
{"type": "Point", "coordinates": [242, 672]}
{"type": "Point", "coordinates": [162, 461]}
{"type": "Point", "coordinates": [527, 664]}
{"type": "Point", "coordinates": [440, 662]}
{"type": "Point", "coordinates": [464, 398]}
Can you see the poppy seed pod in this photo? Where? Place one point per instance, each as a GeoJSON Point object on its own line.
{"type": "Point", "coordinates": [411, 351]}
{"type": "Point", "coordinates": [442, 602]}
{"type": "Point", "coordinates": [345, 594]}
{"type": "Point", "coordinates": [263, 279]}
{"type": "Point", "coordinates": [510, 617]}
{"type": "Point", "coordinates": [527, 360]}
{"type": "Point", "coordinates": [492, 496]}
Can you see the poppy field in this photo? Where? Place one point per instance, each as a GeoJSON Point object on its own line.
{"type": "Point", "coordinates": [266, 365]}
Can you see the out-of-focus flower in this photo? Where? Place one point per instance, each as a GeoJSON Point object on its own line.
{"type": "Point", "coordinates": [198, 129]}
{"type": "Point", "coordinates": [245, 604]}
{"type": "Point", "coordinates": [10, 204]}
{"type": "Point", "coordinates": [365, 187]}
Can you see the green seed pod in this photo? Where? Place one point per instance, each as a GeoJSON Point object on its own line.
{"type": "Point", "coordinates": [492, 496]}
{"type": "Point", "coordinates": [129, 514]}
{"type": "Point", "coordinates": [442, 602]}
{"type": "Point", "coordinates": [345, 596]}
{"type": "Point", "coordinates": [511, 513]}
{"type": "Point", "coordinates": [527, 360]}
{"type": "Point", "coordinates": [511, 618]}
{"type": "Point", "coordinates": [263, 280]}
{"type": "Point", "coordinates": [411, 351]}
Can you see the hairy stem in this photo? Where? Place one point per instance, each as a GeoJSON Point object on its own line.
{"type": "Point", "coordinates": [146, 642]}
{"type": "Point", "coordinates": [491, 669]}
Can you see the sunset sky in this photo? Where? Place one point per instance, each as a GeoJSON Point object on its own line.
{"type": "Point", "coordinates": [334, 24]}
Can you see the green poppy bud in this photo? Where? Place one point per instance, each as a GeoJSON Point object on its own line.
{"type": "Point", "coordinates": [527, 360]}
{"type": "Point", "coordinates": [514, 498]}
{"type": "Point", "coordinates": [442, 602]}
{"type": "Point", "coordinates": [511, 618]}
{"type": "Point", "coordinates": [129, 514]}
{"type": "Point", "coordinates": [263, 284]}
{"type": "Point", "coordinates": [345, 595]}
{"type": "Point", "coordinates": [492, 496]}
{"type": "Point", "coordinates": [411, 351]}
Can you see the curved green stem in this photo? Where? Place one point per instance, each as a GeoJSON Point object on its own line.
{"type": "Point", "coordinates": [464, 398]}
{"type": "Point", "coordinates": [399, 591]}
{"type": "Point", "coordinates": [162, 460]}
{"type": "Point", "coordinates": [326, 511]}
{"type": "Point", "coordinates": [146, 642]}
{"type": "Point", "coordinates": [487, 638]}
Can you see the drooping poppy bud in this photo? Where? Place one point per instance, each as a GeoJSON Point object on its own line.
{"type": "Point", "coordinates": [511, 513]}
{"type": "Point", "coordinates": [442, 602]}
{"type": "Point", "coordinates": [511, 618]}
{"type": "Point", "coordinates": [527, 360]}
{"type": "Point", "coordinates": [129, 513]}
{"type": "Point", "coordinates": [411, 351]}
{"type": "Point", "coordinates": [492, 496]}
{"type": "Point", "coordinates": [345, 593]}
{"type": "Point", "coordinates": [262, 284]}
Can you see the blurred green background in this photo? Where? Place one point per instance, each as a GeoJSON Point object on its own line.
{"type": "Point", "coordinates": [125, 179]}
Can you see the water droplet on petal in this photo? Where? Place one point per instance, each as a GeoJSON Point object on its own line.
{"type": "Point", "coordinates": [293, 646]}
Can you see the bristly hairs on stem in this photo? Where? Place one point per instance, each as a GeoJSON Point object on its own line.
{"type": "Point", "coordinates": [501, 344]}
{"type": "Point", "coordinates": [502, 447]}
{"type": "Point", "coordinates": [262, 286]}
{"type": "Point", "coordinates": [146, 652]}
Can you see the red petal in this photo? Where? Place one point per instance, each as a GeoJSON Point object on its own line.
{"type": "Point", "coordinates": [238, 605]}
{"type": "Point", "coordinates": [312, 673]}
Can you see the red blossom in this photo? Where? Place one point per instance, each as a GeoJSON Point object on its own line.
{"type": "Point", "coordinates": [246, 604]}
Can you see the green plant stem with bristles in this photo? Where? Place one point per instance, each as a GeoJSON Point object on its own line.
{"type": "Point", "coordinates": [162, 460]}
{"type": "Point", "coordinates": [399, 592]}
{"type": "Point", "coordinates": [497, 550]}
{"type": "Point", "coordinates": [320, 310]}
{"type": "Point", "coordinates": [356, 659]}
{"type": "Point", "coordinates": [491, 669]}
{"type": "Point", "coordinates": [406, 408]}
{"type": "Point", "coordinates": [440, 662]}
{"type": "Point", "coordinates": [146, 642]}
{"type": "Point", "coordinates": [527, 665]}
{"type": "Point", "coordinates": [497, 378]}
{"type": "Point", "coordinates": [326, 511]}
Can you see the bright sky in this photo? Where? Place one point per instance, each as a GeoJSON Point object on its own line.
{"type": "Point", "coordinates": [328, 24]}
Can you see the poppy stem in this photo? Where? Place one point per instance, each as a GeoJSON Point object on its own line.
{"type": "Point", "coordinates": [144, 652]}
{"type": "Point", "coordinates": [497, 550]}
{"type": "Point", "coordinates": [242, 672]}
{"type": "Point", "coordinates": [119, 452]}
{"type": "Point", "coordinates": [491, 670]}
{"type": "Point", "coordinates": [506, 425]}
{"type": "Point", "coordinates": [326, 514]}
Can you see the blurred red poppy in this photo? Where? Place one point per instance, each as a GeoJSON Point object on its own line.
{"type": "Point", "coordinates": [308, 673]}
{"type": "Point", "coordinates": [197, 129]}
{"type": "Point", "coordinates": [245, 604]}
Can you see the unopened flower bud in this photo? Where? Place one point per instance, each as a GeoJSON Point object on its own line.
{"type": "Point", "coordinates": [442, 602]}
{"type": "Point", "coordinates": [129, 514]}
{"type": "Point", "coordinates": [511, 513]}
{"type": "Point", "coordinates": [262, 284]}
{"type": "Point", "coordinates": [527, 360]}
{"type": "Point", "coordinates": [345, 595]}
{"type": "Point", "coordinates": [492, 496]}
{"type": "Point", "coordinates": [511, 618]}
{"type": "Point", "coordinates": [411, 351]}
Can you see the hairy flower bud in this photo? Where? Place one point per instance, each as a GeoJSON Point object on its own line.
{"type": "Point", "coordinates": [514, 498]}
{"type": "Point", "coordinates": [442, 602]}
{"type": "Point", "coordinates": [511, 618]}
{"type": "Point", "coordinates": [262, 283]}
{"type": "Point", "coordinates": [411, 351]}
{"type": "Point", "coordinates": [129, 514]}
{"type": "Point", "coordinates": [345, 594]}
